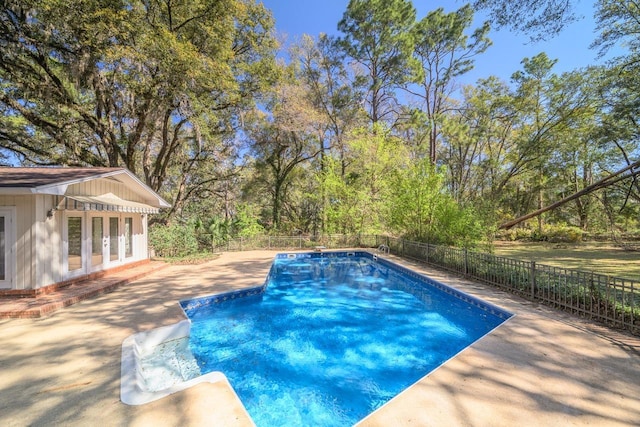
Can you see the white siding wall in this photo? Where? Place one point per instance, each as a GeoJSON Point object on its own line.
{"type": "Point", "coordinates": [53, 272]}
{"type": "Point", "coordinates": [98, 187]}
{"type": "Point", "coordinates": [24, 215]}
{"type": "Point", "coordinates": [47, 253]}
{"type": "Point", "coordinates": [39, 239]}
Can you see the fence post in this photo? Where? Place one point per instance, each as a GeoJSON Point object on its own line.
{"type": "Point", "coordinates": [402, 247]}
{"type": "Point", "coordinates": [269, 242]}
{"type": "Point", "coordinates": [300, 241]}
{"type": "Point", "coordinates": [533, 279]}
{"type": "Point", "coordinates": [466, 263]}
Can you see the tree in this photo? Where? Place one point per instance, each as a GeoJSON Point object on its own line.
{"type": "Point", "coordinates": [333, 91]}
{"type": "Point", "coordinates": [443, 52]}
{"type": "Point", "coordinates": [619, 24]}
{"type": "Point", "coordinates": [419, 207]}
{"type": "Point", "coordinates": [478, 144]}
{"type": "Point", "coordinates": [282, 136]}
{"type": "Point", "coordinates": [378, 37]}
{"type": "Point", "coordinates": [540, 19]}
{"type": "Point", "coordinates": [575, 163]}
{"type": "Point", "coordinates": [154, 86]}
{"type": "Point", "coordinates": [510, 150]}
{"type": "Point", "coordinates": [611, 179]}
{"type": "Point", "coordinates": [357, 199]}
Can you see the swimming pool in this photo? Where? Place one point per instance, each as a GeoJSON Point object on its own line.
{"type": "Point", "coordinates": [332, 336]}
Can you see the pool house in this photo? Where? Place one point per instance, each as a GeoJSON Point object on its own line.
{"type": "Point", "coordinates": [61, 225]}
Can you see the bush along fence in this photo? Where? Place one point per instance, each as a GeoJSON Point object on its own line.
{"type": "Point", "coordinates": [610, 300]}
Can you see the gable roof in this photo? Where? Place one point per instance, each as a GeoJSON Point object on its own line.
{"type": "Point", "coordinates": [42, 177]}
{"type": "Point", "coordinates": [55, 181]}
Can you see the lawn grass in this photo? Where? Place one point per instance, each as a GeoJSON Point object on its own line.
{"type": "Point", "coordinates": [603, 258]}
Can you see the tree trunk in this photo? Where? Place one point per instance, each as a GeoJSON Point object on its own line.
{"type": "Point", "coordinates": [603, 183]}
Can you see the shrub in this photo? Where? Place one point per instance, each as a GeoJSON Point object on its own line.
{"type": "Point", "coordinates": [420, 207]}
{"type": "Point", "coordinates": [173, 240]}
{"type": "Point", "coordinates": [559, 234]}
{"type": "Point", "coordinates": [514, 234]}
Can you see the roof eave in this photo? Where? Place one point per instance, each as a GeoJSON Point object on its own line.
{"type": "Point", "coordinates": [162, 203]}
{"type": "Point", "coordinates": [9, 191]}
{"type": "Point", "coordinates": [60, 188]}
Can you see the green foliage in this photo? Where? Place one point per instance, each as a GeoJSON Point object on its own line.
{"type": "Point", "coordinates": [173, 240]}
{"type": "Point", "coordinates": [347, 206]}
{"type": "Point", "coordinates": [516, 233]}
{"type": "Point", "coordinates": [214, 231]}
{"type": "Point", "coordinates": [217, 231]}
{"type": "Point", "coordinates": [378, 36]}
{"type": "Point", "coordinates": [152, 86]}
{"type": "Point", "coordinates": [553, 233]}
{"type": "Point", "coordinates": [540, 19]}
{"type": "Point", "coordinates": [246, 221]}
{"type": "Point", "coordinates": [420, 208]}
{"type": "Point", "coordinates": [356, 200]}
{"type": "Point", "coordinates": [559, 233]}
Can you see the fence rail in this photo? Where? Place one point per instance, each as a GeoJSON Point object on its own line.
{"type": "Point", "coordinates": [611, 300]}
{"type": "Point", "coordinates": [335, 241]}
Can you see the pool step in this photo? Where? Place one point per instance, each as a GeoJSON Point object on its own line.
{"type": "Point", "coordinates": [168, 364]}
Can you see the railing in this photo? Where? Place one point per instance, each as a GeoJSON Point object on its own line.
{"type": "Point", "coordinates": [611, 300]}
{"type": "Point", "coordinates": [330, 241]}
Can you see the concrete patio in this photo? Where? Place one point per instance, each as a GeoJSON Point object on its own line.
{"type": "Point", "coordinates": [542, 367]}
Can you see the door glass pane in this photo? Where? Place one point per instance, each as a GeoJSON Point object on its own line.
{"type": "Point", "coordinates": [74, 235]}
{"type": "Point", "coordinates": [128, 237]}
{"type": "Point", "coordinates": [3, 252]}
{"type": "Point", "coordinates": [96, 241]}
{"type": "Point", "coordinates": [113, 239]}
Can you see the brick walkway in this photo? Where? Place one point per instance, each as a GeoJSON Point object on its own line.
{"type": "Point", "coordinates": [16, 307]}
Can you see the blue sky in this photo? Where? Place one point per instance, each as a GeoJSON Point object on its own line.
{"type": "Point", "coordinates": [571, 47]}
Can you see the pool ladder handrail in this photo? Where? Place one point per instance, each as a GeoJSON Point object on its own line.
{"type": "Point", "coordinates": [383, 249]}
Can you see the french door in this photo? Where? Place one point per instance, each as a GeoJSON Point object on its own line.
{"type": "Point", "coordinates": [95, 242]}
{"type": "Point", "coordinates": [74, 241]}
{"type": "Point", "coordinates": [7, 249]}
{"type": "Point", "coordinates": [98, 243]}
{"type": "Point", "coordinates": [114, 239]}
{"type": "Point", "coordinates": [105, 241]}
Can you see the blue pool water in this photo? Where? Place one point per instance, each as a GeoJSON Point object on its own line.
{"type": "Point", "coordinates": [332, 337]}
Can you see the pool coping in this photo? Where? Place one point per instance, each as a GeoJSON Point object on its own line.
{"type": "Point", "coordinates": [133, 391]}
{"type": "Point", "coordinates": [188, 304]}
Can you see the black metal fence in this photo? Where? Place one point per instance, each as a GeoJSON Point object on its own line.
{"type": "Point", "coordinates": [330, 241]}
{"type": "Point", "coordinates": [611, 300]}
